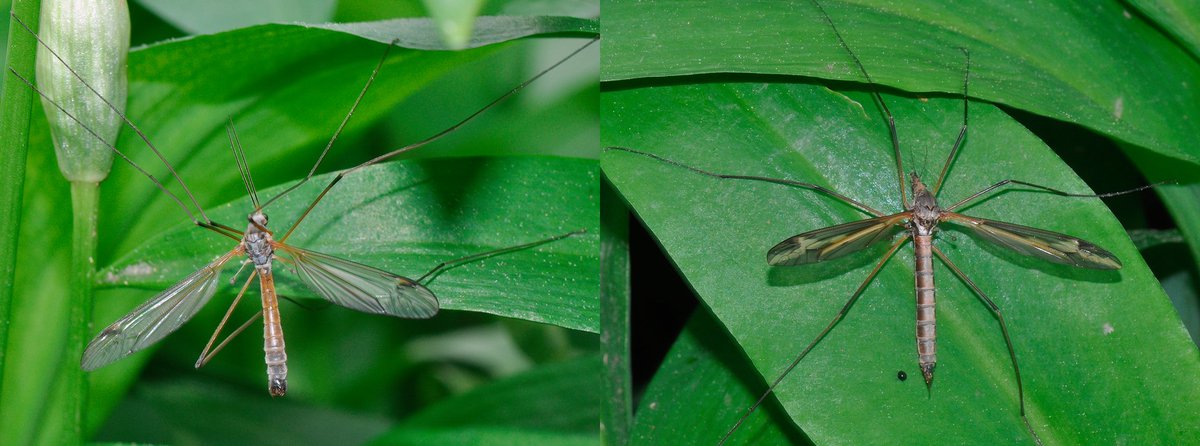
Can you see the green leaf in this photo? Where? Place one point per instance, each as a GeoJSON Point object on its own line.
{"type": "Point", "coordinates": [41, 304]}
{"type": "Point", "coordinates": [486, 436]}
{"type": "Point", "coordinates": [408, 217]}
{"type": "Point", "coordinates": [706, 374]}
{"type": "Point", "coordinates": [420, 33]}
{"type": "Point", "coordinates": [1107, 70]}
{"type": "Point", "coordinates": [1179, 18]}
{"type": "Point", "coordinates": [552, 404]}
{"type": "Point", "coordinates": [223, 15]}
{"type": "Point", "coordinates": [554, 397]}
{"type": "Point", "coordinates": [1108, 339]}
{"type": "Point", "coordinates": [216, 415]}
{"type": "Point", "coordinates": [17, 106]}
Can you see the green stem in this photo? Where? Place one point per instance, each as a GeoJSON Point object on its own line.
{"type": "Point", "coordinates": [85, 197]}
{"type": "Point", "coordinates": [616, 419]}
{"type": "Point", "coordinates": [15, 105]}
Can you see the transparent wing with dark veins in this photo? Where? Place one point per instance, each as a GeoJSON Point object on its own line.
{"type": "Point", "coordinates": [360, 287]}
{"type": "Point", "coordinates": [157, 318]}
{"type": "Point", "coordinates": [835, 241]}
{"type": "Point", "coordinates": [1040, 243]}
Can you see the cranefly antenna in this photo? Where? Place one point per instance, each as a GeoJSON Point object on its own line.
{"type": "Point", "coordinates": [239, 155]}
{"type": "Point", "coordinates": [204, 220]}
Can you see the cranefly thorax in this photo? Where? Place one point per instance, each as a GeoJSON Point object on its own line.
{"type": "Point", "coordinates": [257, 242]}
{"type": "Point", "coordinates": [924, 208]}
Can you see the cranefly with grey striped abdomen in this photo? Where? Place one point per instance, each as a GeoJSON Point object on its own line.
{"type": "Point", "coordinates": [342, 282]}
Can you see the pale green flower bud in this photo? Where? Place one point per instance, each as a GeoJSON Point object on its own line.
{"type": "Point", "coordinates": [92, 36]}
{"type": "Point", "coordinates": [455, 20]}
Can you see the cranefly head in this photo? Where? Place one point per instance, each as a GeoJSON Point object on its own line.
{"type": "Point", "coordinates": [258, 218]}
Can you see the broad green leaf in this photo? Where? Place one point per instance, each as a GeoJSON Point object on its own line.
{"type": "Point", "coordinates": [556, 403]}
{"type": "Point", "coordinates": [1103, 355]}
{"type": "Point", "coordinates": [419, 33]}
{"type": "Point", "coordinates": [555, 397]}
{"type": "Point", "coordinates": [486, 436]}
{"type": "Point", "coordinates": [573, 8]}
{"type": "Point", "coordinates": [1091, 63]}
{"type": "Point", "coordinates": [222, 15]}
{"type": "Point", "coordinates": [5, 5]}
{"type": "Point", "coordinates": [16, 107]}
{"type": "Point", "coordinates": [706, 373]}
{"type": "Point", "coordinates": [219, 415]}
{"type": "Point", "coordinates": [408, 217]}
{"type": "Point", "coordinates": [1179, 18]}
{"type": "Point", "coordinates": [39, 311]}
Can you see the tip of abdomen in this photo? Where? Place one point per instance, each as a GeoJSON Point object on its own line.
{"type": "Point", "coordinates": [278, 387]}
{"type": "Point", "coordinates": [927, 372]}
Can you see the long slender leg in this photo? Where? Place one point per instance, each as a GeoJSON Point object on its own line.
{"type": "Point", "coordinates": [493, 252]}
{"type": "Point", "coordinates": [421, 143]}
{"type": "Point", "coordinates": [233, 279]}
{"type": "Point", "coordinates": [891, 120]}
{"type": "Point", "coordinates": [341, 127]}
{"type": "Point", "coordinates": [470, 118]}
{"type": "Point", "coordinates": [840, 314]}
{"type": "Point", "coordinates": [1044, 188]}
{"type": "Point", "coordinates": [810, 186]}
{"type": "Point", "coordinates": [1012, 354]}
{"type": "Point", "coordinates": [962, 132]}
{"type": "Point", "coordinates": [204, 356]}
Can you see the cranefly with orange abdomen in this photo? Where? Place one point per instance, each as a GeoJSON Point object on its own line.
{"type": "Point", "coordinates": [342, 282]}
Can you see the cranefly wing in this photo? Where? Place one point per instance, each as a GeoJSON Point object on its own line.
{"type": "Point", "coordinates": [156, 318]}
{"type": "Point", "coordinates": [1052, 246]}
{"type": "Point", "coordinates": [360, 287]}
{"type": "Point", "coordinates": [835, 241]}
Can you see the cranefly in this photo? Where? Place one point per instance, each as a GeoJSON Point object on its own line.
{"type": "Point", "coordinates": [918, 221]}
{"type": "Point", "coordinates": [342, 282]}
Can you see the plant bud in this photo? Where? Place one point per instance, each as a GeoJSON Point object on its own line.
{"type": "Point", "coordinates": [92, 37]}
{"type": "Point", "coordinates": [455, 20]}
